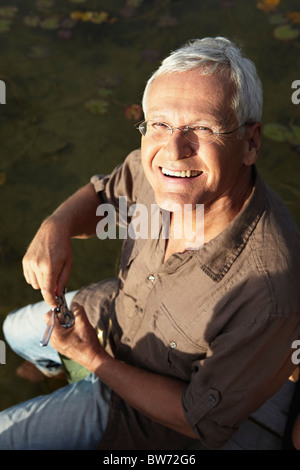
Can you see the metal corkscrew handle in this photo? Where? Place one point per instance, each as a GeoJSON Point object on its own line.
{"type": "Point", "coordinates": [65, 317]}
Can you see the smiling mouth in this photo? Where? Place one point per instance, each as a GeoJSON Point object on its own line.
{"type": "Point", "coordinates": [181, 174]}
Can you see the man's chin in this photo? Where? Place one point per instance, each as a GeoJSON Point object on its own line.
{"type": "Point", "coordinates": [170, 205]}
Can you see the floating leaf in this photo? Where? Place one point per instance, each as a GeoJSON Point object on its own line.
{"type": "Point", "coordinates": [31, 20]}
{"type": "Point", "coordinates": [275, 132]}
{"type": "Point", "coordinates": [76, 15]}
{"type": "Point", "coordinates": [2, 177]}
{"type": "Point", "coordinates": [50, 23]}
{"type": "Point", "coordinates": [96, 106]}
{"type": "Point", "coordinates": [38, 52]}
{"type": "Point", "coordinates": [104, 92]}
{"type": "Point", "coordinates": [44, 5]}
{"type": "Point", "coordinates": [268, 6]}
{"type": "Point", "coordinates": [278, 19]}
{"type": "Point", "coordinates": [133, 112]}
{"type": "Point", "coordinates": [294, 16]}
{"type": "Point", "coordinates": [5, 26]}
{"type": "Point", "coordinates": [8, 12]}
{"type": "Point", "coordinates": [285, 32]}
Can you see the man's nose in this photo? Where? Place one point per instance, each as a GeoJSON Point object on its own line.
{"type": "Point", "coordinates": [177, 146]}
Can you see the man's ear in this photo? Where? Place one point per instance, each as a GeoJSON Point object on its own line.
{"type": "Point", "coordinates": [252, 143]}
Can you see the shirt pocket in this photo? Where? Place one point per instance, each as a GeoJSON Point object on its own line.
{"type": "Point", "coordinates": [181, 350]}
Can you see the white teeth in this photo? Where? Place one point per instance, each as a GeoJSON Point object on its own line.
{"type": "Point", "coordinates": [181, 174]}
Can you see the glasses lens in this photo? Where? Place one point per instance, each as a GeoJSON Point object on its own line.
{"type": "Point", "coordinates": [200, 134]}
{"type": "Point", "coordinates": [143, 127]}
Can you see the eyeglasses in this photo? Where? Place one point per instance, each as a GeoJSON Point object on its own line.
{"type": "Point", "coordinates": [161, 131]}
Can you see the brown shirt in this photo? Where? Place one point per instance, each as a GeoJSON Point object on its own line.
{"type": "Point", "coordinates": [222, 318]}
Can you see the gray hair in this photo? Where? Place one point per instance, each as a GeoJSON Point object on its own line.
{"type": "Point", "coordinates": [210, 55]}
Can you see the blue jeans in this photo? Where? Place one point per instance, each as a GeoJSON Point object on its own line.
{"type": "Point", "coordinates": [73, 417]}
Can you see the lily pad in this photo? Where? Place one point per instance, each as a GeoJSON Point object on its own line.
{"type": "Point", "coordinates": [96, 106]}
{"type": "Point", "coordinates": [275, 132]}
{"type": "Point", "coordinates": [294, 16]}
{"type": "Point", "coordinates": [51, 23]}
{"type": "Point", "coordinates": [285, 32]}
{"type": "Point", "coordinates": [4, 25]}
{"type": "Point", "coordinates": [31, 20]}
{"type": "Point", "coordinates": [278, 19]}
{"type": "Point", "coordinates": [43, 5]}
{"type": "Point", "coordinates": [8, 12]}
{"type": "Point", "coordinates": [104, 92]}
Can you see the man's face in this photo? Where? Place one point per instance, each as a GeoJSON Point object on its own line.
{"type": "Point", "coordinates": [191, 99]}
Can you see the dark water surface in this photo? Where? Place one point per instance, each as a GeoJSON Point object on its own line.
{"type": "Point", "coordinates": [74, 82]}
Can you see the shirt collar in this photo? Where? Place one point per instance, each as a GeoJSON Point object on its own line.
{"type": "Point", "coordinates": [217, 256]}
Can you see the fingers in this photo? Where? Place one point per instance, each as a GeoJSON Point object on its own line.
{"type": "Point", "coordinates": [48, 269]}
{"type": "Point", "coordinates": [64, 276]}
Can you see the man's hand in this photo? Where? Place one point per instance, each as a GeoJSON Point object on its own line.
{"type": "Point", "coordinates": [47, 263]}
{"type": "Point", "coordinates": [80, 342]}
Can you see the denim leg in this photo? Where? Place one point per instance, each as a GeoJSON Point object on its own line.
{"type": "Point", "coordinates": [23, 330]}
{"type": "Point", "coordinates": [72, 418]}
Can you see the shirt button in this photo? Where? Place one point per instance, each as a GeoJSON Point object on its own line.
{"type": "Point", "coordinates": [126, 339]}
{"type": "Point", "coordinates": [212, 398]}
{"type": "Point", "coordinates": [173, 345]}
{"type": "Point", "coordinates": [139, 309]}
{"type": "Point", "coordinates": [151, 278]}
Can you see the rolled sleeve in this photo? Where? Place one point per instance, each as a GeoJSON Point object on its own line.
{"type": "Point", "coordinates": [124, 181]}
{"type": "Point", "coordinates": [241, 371]}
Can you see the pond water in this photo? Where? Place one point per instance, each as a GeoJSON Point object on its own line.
{"type": "Point", "coordinates": [74, 72]}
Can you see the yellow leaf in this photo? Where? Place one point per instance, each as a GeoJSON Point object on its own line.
{"type": "Point", "coordinates": [268, 6]}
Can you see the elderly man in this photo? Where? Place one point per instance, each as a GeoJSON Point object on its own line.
{"type": "Point", "coordinates": [196, 338]}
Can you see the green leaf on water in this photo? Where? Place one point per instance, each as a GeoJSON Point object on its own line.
{"type": "Point", "coordinates": [285, 32]}
{"type": "Point", "coordinates": [51, 23]}
{"type": "Point", "coordinates": [275, 132]}
{"type": "Point", "coordinates": [8, 12]}
{"type": "Point", "coordinates": [96, 106]}
{"type": "Point", "coordinates": [5, 25]}
{"type": "Point", "coordinates": [31, 20]}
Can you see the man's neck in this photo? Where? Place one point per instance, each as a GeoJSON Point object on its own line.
{"type": "Point", "coordinates": [217, 216]}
